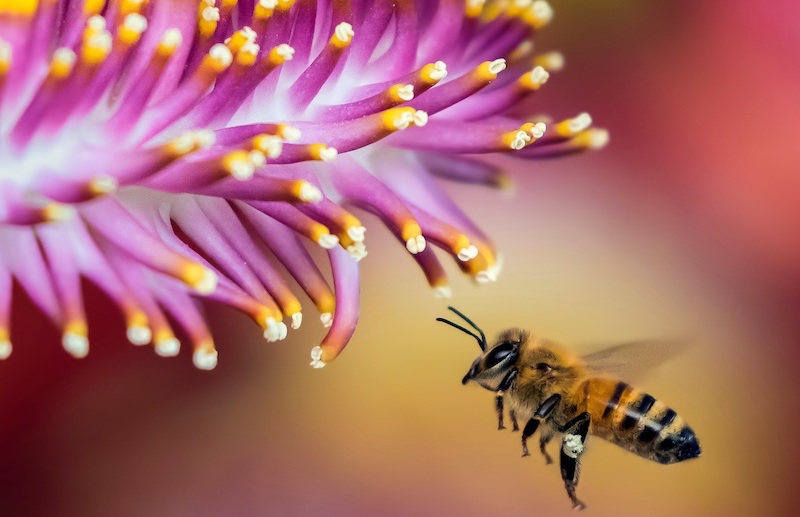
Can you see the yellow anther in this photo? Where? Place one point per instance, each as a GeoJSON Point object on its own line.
{"type": "Point", "coordinates": [198, 277]}
{"type": "Point", "coordinates": [474, 8]}
{"type": "Point", "coordinates": [95, 49]}
{"type": "Point", "coordinates": [92, 7]}
{"type": "Point", "coordinates": [322, 152]}
{"type": "Point", "coordinates": [240, 38]}
{"type": "Point", "coordinates": [550, 61]}
{"type": "Point", "coordinates": [572, 126]}
{"type": "Point", "coordinates": [488, 70]}
{"type": "Point", "coordinates": [218, 59]}
{"type": "Point", "coordinates": [76, 328]}
{"type": "Point", "coordinates": [432, 73]}
{"type": "Point", "coordinates": [170, 42]}
{"type": "Point", "coordinates": [288, 133]}
{"type": "Point", "coordinates": [594, 138]}
{"type": "Point", "coordinates": [207, 18]}
{"type": "Point", "coordinates": [342, 35]}
{"type": "Point", "coordinates": [270, 145]}
{"type": "Point", "coordinates": [401, 93]}
{"type": "Point", "coordinates": [535, 129]}
{"type": "Point", "coordinates": [25, 8]}
{"type": "Point", "coordinates": [539, 14]}
{"type": "Point", "coordinates": [305, 191]}
{"type": "Point", "coordinates": [131, 29]}
{"type": "Point", "coordinates": [6, 55]}
{"type": "Point", "coordinates": [62, 63]}
{"type": "Point", "coordinates": [264, 9]}
{"type": "Point", "coordinates": [396, 119]}
{"type": "Point", "coordinates": [534, 79]}
{"type": "Point", "coordinates": [280, 54]}
{"type": "Point", "coordinates": [284, 5]}
{"type": "Point", "coordinates": [57, 212]}
{"type": "Point", "coordinates": [247, 55]}
{"type": "Point", "coordinates": [516, 140]}
{"type": "Point", "coordinates": [239, 164]}
{"type": "Point", "coordinates": [103, 185]}
{"type": "Point", "coordinates": [131, 6]}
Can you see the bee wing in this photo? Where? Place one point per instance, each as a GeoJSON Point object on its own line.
{"type": "Point", "coordinates": [631, 360]}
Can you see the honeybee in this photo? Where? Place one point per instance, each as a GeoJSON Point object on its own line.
{"type": "Point", "coordinates": [547, 385]}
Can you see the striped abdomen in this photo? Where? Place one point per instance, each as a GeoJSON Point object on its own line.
{"type": "Point", "coordinates": [638, 422]}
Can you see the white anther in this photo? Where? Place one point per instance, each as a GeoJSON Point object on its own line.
{"type": "Point", "coordinates": [286, 51]}
{"type": "Point", "coordinates": [272, 146]}
{"type": "Point", "coordinates": [403, 120]}
{"type": "Point", "coordinates": [522, 3]}
{"type": "Point", "coordinates": [443, 292]}
{"type": "Point", "coordinates": [210, 14]}
{"type": "Point", "coordinates": [169, 347]}
{"type": "Point", "coordinates": [268, 4]}
{"type": "Point", "coordinates": [486, 276]}
{"type": "Point", "coordinates": [291, 134]}
{"type": "Point", "coordinates": [439, 71]}
{"type": "Point", "coordinates": [250, 48]}
{"type": "Point", "coordinates": [328, 241]}
{"type": "Point", "coordinates": [221, 53]}
{"type": "Point", "coordinates": [5, 51]}
{"type": "Point", "coordinates": [327, 154]}
{"type": "Point", "coordinates": [275, 330]}
{"type": "Point", "coordinates": [539, 76]}
{"type": "Point", "coordinates": [309, 193]}
{"type": "Point", "coordinates": [207, 284]}
{"type": "Point", "coordinates": [326, 318]}
{"type": "Point", "coordinates": [542, 11]}
{"type": "Point", "coordinates": [249, 34]}
{"type": "Point", "coordinates": [104, 184]}
{"type": "Point", "coordinates": [203, 138]}
{"type": "Point", "coordinates": [357, 233]}
{"type": "Point", "coordinates": [573, 445]}
{"type": "Point", "coordinates": [357, 250]}
{"type": "Point", "coordinates": [579, 123]}
{"type": "Point", "coordinates": [65, 56]}
{"type": "Point", "coordinates": [497, 66]}
{"type": "Point", "coordinates": [96, 23]}
{"type": "Point", "coordinates": [552, 61]}
{"type": "Point", "coordinates": [135, 22]}
{"type": "Point", "coordinates": [520, 139]}
{"type": "Point", "coordinates": [5, 349]}
{"type": "Point", "coordinates": [344, 32]}
{"type": "Point", "coordinates": [297, 320]}
{"type": "Point", "coordinates": [205, 359]}
{"type": "Point", "coordinates": [416, 244]}
{"type": "Point", "coordinates": [420, 118]}
{"type": "Point", "coordinates": [241, 169]}
{"type": "Point", "coordinates": [599, 138]}
{"type": "Point", "coordinates": [101, 40]}
{"type": "Point", "coordinates": [316, 357]}
{"type": "Point", "coordinates": [406, 92]}
{"type": "Point", "coordinates": [76, 344]}
{"type": "Point", "coordinates": [538, 130]}
{"type": "Point", "coordinates": [172, 38]}
{"type": "Point", "coordinates": [59, 212]}
{"type": "Point", "coordinates": [257, 159]}
{"type": "Point", "coordinates": [139, 335]}
{"type": "Point", "coordinates": [468, 253]}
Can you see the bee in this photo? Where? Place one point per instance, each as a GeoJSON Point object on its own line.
{"type": "Point", "coordinates": [547, 386]}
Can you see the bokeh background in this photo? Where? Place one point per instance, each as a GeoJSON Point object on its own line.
{"type": "Point", "coordinates": [688, 224]}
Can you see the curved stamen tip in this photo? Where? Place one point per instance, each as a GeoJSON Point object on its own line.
{"type": "Point", "coordinates": [289, 133]}
{"type": "Point", "coordinates": [405, 92]}
{"type": "Point", "coordinates": [207, 283]}
{"type": "Point", "coordinates": [103, 185]}
{"type": "Point", "coordinates": [76, 344]}
{"type": "Point", "coordinates": [551, 61]}
{"type": "Point", "coordinates": [5, 349]}
{"type": "Point", "coordinates": [542, 13]}
{"type": "Point", "coordinates": [139, 335]}
{"type": "Point", "coordinates": [357, 233]}
{"type": "Point", "coordinates": [327, 319]}
{"type": "Point", "coordinates": [316, 358]}
{"type": "Point", "coordinates": [205, 359]}
{"type": "Point", "coordinates": [468, 253]}
{"type": "Point", "coordinates": [328, 241]}
{"type": "Point", "coordinates": [518, 139]}
{"type": "Point", "coordinates": [275, 330]}
{"type": "Point", "coordinates": [596, 138]}
{"type": "Point", "coordinates": [539, 76]}
{"type": "Point", "coordinates": [58, 212]}
{"type": "Point", "coordinates": [297, 320]}
{"type": "Point", "coordinates": [168, 347]}
{"type": "Point", "coordinates": [357, 250]}
{"type": "Point", "coordinates": [416, 244]}
{"type": "Point", "coordinates": [309, 193]}
{"type": "Point", "coordinates": [497, 66]}
{"type": "Point", "coordinates": [327, 154]}
{"type": "Point", "coordinates": [443, 292]}
{"type": "Point", "coordinates": [343, 34]}
{"type": "Point", "coordinates": [538, 130]}
{"type": "Point", "coordinates": [420, 118]}
{"type": "Point", "coordinates": [486, 276]}
{"type": "Point", "coordinates": [282, 53]}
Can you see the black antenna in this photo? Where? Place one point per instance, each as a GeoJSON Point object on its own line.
{"type": "Point", "coordinates": [481, 340]}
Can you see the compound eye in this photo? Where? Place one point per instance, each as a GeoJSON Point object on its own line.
{"type": "Point", "coordinates": [544, 367]}
{"type": "Point", "coordinates": [499, 353]}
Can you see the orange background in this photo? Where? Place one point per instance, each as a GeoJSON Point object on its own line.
{"type": "Point", "coordinates": [687, 225]}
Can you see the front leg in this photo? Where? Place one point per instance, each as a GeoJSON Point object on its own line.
{"type": "Point", "coordinates": [541, 414]}
{"type": "Point", "coordinates": [573, 445]}
{"type": "Point", "coordinates": [504, 386]}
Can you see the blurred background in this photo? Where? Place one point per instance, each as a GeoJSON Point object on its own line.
{"type": "Point", "coordinates": [688, 224]}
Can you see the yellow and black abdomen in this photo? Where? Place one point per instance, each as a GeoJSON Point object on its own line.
{"type": "Point", "coordinates": [637, 421]}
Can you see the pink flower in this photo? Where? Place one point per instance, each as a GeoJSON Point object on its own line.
{"type": "Point", "coordinates": [167, 151]}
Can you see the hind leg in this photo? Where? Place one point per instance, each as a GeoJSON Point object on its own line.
{"type": "Point", "coordinates": [572, 447]}
{"type": "Point", "coordinates": [544, 439]}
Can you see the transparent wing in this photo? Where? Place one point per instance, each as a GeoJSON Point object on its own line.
{"type": "Point", "coordinates": [630, 361]}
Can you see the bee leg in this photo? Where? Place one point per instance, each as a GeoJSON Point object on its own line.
{"type": "Point", "coordinates": [513, 417]}
{"type": "Point", "coordinates": [544, 439]}
{"type": "Point", "coordinates": [575, 432]}
{"type": "Point", "coordinates": [541, 414]}
{"type": "Point", "coordinates": [504, 386]}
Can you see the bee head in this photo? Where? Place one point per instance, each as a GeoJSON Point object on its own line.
{"type": "Point", "coordinates": [497, 360]}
